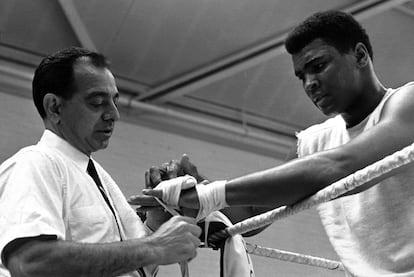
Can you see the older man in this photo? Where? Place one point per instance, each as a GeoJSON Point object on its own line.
{"type": "Point", "coordinates": [61, 214]}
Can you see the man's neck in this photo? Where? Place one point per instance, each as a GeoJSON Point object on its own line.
{"type": "Point", "coordinates": [365, 105]}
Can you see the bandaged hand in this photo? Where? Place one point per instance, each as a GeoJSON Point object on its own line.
{"type": "Point", "coordinates": [210, 197]}
{"type": "Point", "coordinates": [171, 189]}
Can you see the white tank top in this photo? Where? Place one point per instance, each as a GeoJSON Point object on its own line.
{"type": "Point", "coordinates": [373, 231]}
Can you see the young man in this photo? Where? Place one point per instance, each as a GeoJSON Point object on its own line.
{"type": "Point", "coordinates": [372, 229]}
{"type": "Point", "coordinates": [61, 214]}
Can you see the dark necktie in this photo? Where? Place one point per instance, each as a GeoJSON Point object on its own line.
{"type": "Point", "coordinates": [94, 174]}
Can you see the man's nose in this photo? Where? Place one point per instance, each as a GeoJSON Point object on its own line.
{"type": "Point", "coordinates": [112, 113]}
{"type": "Point", "coordinates": [311, 84]}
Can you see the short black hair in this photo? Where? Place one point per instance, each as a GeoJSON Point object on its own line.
{"type": "Point", "coordinates": [54, 74]}
{"type": "Point", "coordinates": [336, 28]}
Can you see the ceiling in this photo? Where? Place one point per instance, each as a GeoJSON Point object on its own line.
{"type": "Point", "coordinates": [210, 69]}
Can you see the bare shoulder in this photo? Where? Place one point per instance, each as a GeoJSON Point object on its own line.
{"type": "Point", "coordinates": [396, 127]}
{"type": "Point", "coordinates": [400, 106]}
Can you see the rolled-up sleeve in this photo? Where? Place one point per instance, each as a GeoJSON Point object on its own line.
{"type": "Point", "coordinates": [31, 198]}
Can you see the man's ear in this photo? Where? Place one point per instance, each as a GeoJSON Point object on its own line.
{"type": "Point", "coordinates": [361, 54]}
{"type": "Point", "coordinates": [52, 104]}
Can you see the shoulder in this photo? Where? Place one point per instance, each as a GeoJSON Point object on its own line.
{"type": "Point", "coordinates": [33, 159]}
{"type": "Point", "coordinates": [406, 90]}
{"type": "Point", "coordinates": [400, 104]}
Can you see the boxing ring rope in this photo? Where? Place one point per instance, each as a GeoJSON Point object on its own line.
{"type": "Point", "coordinates": [292, 257]}
{"type": "Point", "coordinates": [372, 174]}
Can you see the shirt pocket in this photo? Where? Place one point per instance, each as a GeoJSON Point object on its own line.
{"type": "Point", "coordinates": [90, 224]}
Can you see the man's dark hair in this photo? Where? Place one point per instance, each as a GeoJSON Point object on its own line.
{"type": "Point", "coordinates": [336, 28]}
{"type": "Point", "coordinates": [55, 74]}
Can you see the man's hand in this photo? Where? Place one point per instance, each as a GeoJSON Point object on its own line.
{"type": "Point", "coordinates": [190, 169]}
{"type": "Point", "coordinates": [157, 174]}
{"type": "Point", "coordinates": [176, 240]}
{"type": "Point", "coordinates": [184, 192]}
{"type": "Point", "coordinates": [175, 168]}
{"type": "Point", "coordinates": [171, 192]}
{"type": "Point", "coordinates": [156, 215]}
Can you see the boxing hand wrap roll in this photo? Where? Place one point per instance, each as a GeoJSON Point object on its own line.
{"type": "Point", "coordinates": [171, 189]}
{"type": "Point", "coordinates": [212, 198]}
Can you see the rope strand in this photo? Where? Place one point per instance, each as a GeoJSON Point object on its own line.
{"type": "Point", "coordinates": [293, 257]}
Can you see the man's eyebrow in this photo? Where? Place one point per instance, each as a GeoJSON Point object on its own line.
{"type": "Point", "coordinates": [101, 94]}
{"type": "Point", "coordinates": [313, 60]}
{"type": "Point", "coordinates": [308, 63]}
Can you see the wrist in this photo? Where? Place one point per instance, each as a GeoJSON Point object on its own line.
{"type": "Point", "coordinates": [151, 250]}
{"type": "Point", "coordinates": [212, 197]}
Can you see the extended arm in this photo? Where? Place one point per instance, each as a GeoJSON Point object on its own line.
{"type": "Point", "coordinates": [176, 240]}
{"type": "Point", "coordinates": [299, 178]}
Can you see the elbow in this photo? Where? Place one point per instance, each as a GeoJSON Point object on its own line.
{"type": "Point", "coordinates": [25, 261]}
{"type": "Point", "coordinates": [20, 267]}
{"type": "Point", "coordinates": [26, 266]}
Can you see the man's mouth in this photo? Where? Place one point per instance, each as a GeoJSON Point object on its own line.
{"type": "Point", "coordinates": [321, 100]}
{"type": "Point", "coordinates": [106, 132]}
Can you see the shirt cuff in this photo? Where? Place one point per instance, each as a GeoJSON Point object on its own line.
{"type": "Point", "coordinates": [17, 243]}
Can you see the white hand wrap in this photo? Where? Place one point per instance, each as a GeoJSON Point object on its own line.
{"type": "Point", "coordinates": [212, 198]}
{"type": "Point", "coordinates": [171, 189]}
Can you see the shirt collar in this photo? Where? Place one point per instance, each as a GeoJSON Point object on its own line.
{"type": "Point", "coordinates": [51, 140]}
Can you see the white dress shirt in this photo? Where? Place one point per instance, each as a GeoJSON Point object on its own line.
{"type": "Point", "coordinates": [45, 190]}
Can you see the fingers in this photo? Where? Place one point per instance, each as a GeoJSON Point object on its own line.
{"type": "Point", "coordinates": [187, 166]}
{"type": "Point", "coordinates": [143, 200]}
{"type": "Point", "coordinates": [145, 209]}
{"type": "Point", "coordinates": [148, 184]}
{"type": "Point", "coordinates": [178, 238]}
{"type": "Point", "coordinates": [170, 170]}
{"type": "Point", "coordinates": [173, 169]}
{"type": "Point", "coordinates": [155, 176]}
{"type": "Point", "coordinates": [152, 192]}
{"type": "Point", "coordinates": [191, 226]}
{"type": "Point", "coordinates": [217, 239]}
{"type": "Point", "coordinates": [190, 169]}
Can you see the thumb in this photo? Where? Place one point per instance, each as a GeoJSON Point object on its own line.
{"type": "Point", "coordinates": [153, 192]}
{"type": "Point", "coordinates": [187, 166]}
{"type": "Point", "coordinates": [185, 161]}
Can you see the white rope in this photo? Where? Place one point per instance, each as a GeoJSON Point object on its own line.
{"type": "Point", "coordinates": [293, 257]}
{"type": "Point", "coordinates": [373, 173]}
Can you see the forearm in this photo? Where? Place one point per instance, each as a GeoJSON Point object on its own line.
{"type": "Point", "coordinates": [288, 183]}
{"type": "Point", "coordinates": [62, 258]}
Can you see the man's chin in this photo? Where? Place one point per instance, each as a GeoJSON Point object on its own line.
{"type": "Point", "coordinates": [104, 145]}
{"type": "Point", "coordinates": [328, 111]}
{"type": "Point", "coordinates": [100, 145]}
